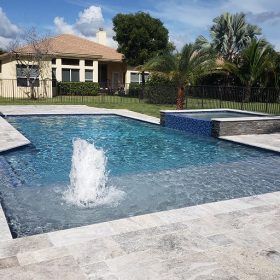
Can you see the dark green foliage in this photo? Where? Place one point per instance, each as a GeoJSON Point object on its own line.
{"type": "Point", "coordinates": [78, 88]}
{"type": "Point", "coordinates": [160, 90]}
{"type": "Point", "coordinates": [140, 37]}
{"type": "Point", "coordinates": [134, 90]}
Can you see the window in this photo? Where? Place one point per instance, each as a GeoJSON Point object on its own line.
{"type": "Point", "coordinates": [88, 62]}
{"type": "Point", "coordinates": [70, 75]}
{"type": "Point", "coordinates": [24, 71]}
{"type": "Point", "coordinates": [66, 75]}
{"type": "Point", "coordinates": [54, 61]}
{"type": "Point", "coordinates": [134, 77]}
{"type": "Point", "coordinates": [54, 81]}
{"type": "Point", "coordinates": [75, 75]}
{"type": "Point", "coordinates": [88, 75]}
{"type": "Point", "coordinates": [137, 77]}
{"type": "Point", "coordinates": [0, 66]}
{"type": "Point", "coordinates": [68, 61]}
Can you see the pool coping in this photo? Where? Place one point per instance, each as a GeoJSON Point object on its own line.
{"type": "Point", "coordinates": [252, 140]}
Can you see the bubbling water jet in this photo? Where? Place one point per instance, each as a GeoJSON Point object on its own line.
{"type": "Point", "coordinates": [88, 177]}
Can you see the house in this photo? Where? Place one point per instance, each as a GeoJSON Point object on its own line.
{"type": "Point", "coordinates": [72, 59]}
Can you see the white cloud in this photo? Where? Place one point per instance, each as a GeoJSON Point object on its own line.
{"type": "Point", "coordinates": [86, 25]}
{"type": "Point", "coordinates": [62, 26]}
{"type": "Point", "coordinates": [89, 21]}
{"type": "Point", "coordinates": [8, 30]}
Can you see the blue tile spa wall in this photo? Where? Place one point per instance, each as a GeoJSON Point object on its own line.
{"type": "Point", "coordinates": [188, 124]}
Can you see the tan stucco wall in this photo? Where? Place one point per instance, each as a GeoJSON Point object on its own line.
{"type": "Point", "coordinates": [8, 84]}
{"type": "Point", "coordinates": [9, 88]}
{"type": "Point", "coordinates": [81, 67]}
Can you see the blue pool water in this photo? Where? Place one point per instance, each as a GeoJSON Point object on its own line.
{"type": "Point", "coordinates": [157, 168]}
{"type": "Point", "coordinates": [218, 115]}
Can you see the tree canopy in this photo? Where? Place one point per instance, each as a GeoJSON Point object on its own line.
{"type": "Point", "coordinates": [254, 64]}
{"type": "Point", "coordinates": [185, 67]}
{"type": "Point", "coordinates": [230, 35]}
{"type": "Point", "coordinates": [140, 37]}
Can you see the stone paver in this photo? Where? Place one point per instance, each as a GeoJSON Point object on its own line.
{"type": "Point", "coordinates": [265, 141]}
{"type": "Point", "coordinates": [230, 240]}
{"type": "Point", "coordinates": [238, 242]}
{"type": "Point", "coordinates": [10, 138]}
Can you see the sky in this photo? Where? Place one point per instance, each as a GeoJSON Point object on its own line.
{"type": "Point", "coordinates": [185, 19]}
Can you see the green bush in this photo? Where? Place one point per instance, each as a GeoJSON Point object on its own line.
{"type": "Point", "coordinates": [160, 90]}
{"type": "Point", "coordinates": [134, 90]}
{"type": "Point", "coordinates": [78, 88]}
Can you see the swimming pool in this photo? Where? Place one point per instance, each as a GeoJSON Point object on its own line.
{"type": "Point", "coordinates": [155, 167]}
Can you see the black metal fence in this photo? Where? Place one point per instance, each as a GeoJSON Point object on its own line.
{"type": "Point", "coordinates": [197, 97]}
{"type": "Point", "coordinates": [242, 98]}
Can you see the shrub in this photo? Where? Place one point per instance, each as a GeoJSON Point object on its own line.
{"type": "Point", "coordinates": [78, 88]}
{"type": "Point", "coordinates": [160, 90]}
{"type": "Point", "coordinates": [134, 90]}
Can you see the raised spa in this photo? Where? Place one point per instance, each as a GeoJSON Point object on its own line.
{"type": "Point", "coordinates": [220, 122]}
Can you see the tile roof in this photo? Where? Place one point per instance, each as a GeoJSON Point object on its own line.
{"type": "Point", "coordinates": [71, 45]}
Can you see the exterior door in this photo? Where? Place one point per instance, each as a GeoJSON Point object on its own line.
{"type": "Point", "coordinates": [116, 80]}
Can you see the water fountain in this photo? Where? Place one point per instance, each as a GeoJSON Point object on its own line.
{"type": "Point", "coordinates": [89, 178]}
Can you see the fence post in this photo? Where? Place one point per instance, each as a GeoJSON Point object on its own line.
{"type": "Point", "coordinates": [242, 100]}
{"type": "Point", "coordinates": [142, 90]}
{"type": "Point", "coordinates": [220, 97]}
{"type": "Point", "coordinates": [59, 92]}
{"type": "Point", "coordinates": [266, 104]}
{"type": "Point", "coordinates": [186, 96]}
{"type": "Point", "coordinates": [13, 89]}
{"type": "Point", "coordinates": [202, 99]}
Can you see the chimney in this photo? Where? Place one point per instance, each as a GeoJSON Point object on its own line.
{"type": "Point", "coordinates": [101, 37]}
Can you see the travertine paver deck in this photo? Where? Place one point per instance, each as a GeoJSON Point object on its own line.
{"type": "Point", "coordinates": [265, 141]}
{"type": "Point", "coordinates": [10, 138]}
{"type": "Point", "coordinates": [234, 239]}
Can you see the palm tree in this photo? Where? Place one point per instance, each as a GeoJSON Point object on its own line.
{"type": "Point", "coordinates": [184, 68]}
{"type": "Point", "coordinates": [253, 66]}
{"type": "Point", "coordinates": [230, 34]}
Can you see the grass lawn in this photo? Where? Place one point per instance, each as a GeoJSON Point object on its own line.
{"type": "Point", "coordinates": [117, 102]}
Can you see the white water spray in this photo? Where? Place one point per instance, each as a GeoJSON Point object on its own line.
{"type": "Point", "coordinates": [88, 177]}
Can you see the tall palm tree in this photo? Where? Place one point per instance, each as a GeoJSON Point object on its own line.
{"type": "Point", "coordinates": [230, 34]}
{"type": "Point", "coordinates": [253, 66]}
{"type": "Point", "coordinates": [184, 68]}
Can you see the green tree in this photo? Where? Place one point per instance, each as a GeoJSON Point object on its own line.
{"type": "Point", "coordinates": [140, 37]}
{"type": "Point", "coordinates": [253, 66]}
{"type": "Point", "coordinates": [230, 34]}
{"type": "Point", "coordinates": [184, 68]}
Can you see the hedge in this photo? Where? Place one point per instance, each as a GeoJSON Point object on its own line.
{"type": "Point", "coordinates": [134, 90]}
{"type": "Point", "coordinates": [78, 88]}
{"type": "Point", "coordinates": [160, 90]}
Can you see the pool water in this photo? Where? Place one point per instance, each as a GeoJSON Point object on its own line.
{"type": "Point", "coordinates": [157, 169]}
{"type": "Point", "coordinates": [218, 115]}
